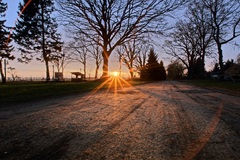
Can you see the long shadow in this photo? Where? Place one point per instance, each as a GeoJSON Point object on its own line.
{"type": "Point", "coordinates": [106, 131]}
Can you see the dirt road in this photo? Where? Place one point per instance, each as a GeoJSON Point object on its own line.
{"type": "Point", "coordinates": [164, 120]}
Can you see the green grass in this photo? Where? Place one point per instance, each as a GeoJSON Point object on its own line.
{"type": "Point", "coordinates": [220, 85]}
{"type": "Point", "coordinates": [15, 93]}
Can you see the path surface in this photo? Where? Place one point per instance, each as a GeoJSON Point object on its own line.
{"type": "Point", "coordinates": [164, 120]}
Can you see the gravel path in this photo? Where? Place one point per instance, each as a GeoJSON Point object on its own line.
{"type": "Point", "coordinates": [164, 120]}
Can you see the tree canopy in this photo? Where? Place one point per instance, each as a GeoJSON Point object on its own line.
{"type": "Point", "coordinates": [36, 32]}
{"type": "Point", "coordinates": [115, 22]}
{"type": "Point", "coordinates": [153, 70]}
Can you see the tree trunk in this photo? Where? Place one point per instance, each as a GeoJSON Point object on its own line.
{"type": "Point", "coordinates": [62, 67]}
{"type": "Point", "coordinates": [220, 57]}
{"type": "Point", "coordinates": [96, 70]}
{"type": "Point", "coordinates": [203, 62]}
{"type": "Point", "coordinates": [47, 71]}
{"type": "Point", "coordinates": [62, 72]}
{"type": "Point", "coordinates": [45, 56]}
{"type": "Point", "coordinates": [85, 69]}
{"type": "Point", "coordinates": [96, 73]}
{"type": "Point", "coordinates": [105, 55]}
{"type": "Point", "coordinates": [131, 74]}
{"type": "Point", "coordinates": [2, 75]}
{"type": "Point", "coordinates": [190, 71]}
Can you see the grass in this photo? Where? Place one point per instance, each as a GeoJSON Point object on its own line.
{"type": "Point", "coordinates": [227, 86]}
{"type": "Point", "coordinates": [15, 93]}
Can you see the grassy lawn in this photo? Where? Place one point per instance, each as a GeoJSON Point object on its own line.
{"type": "Point", "coordinates": [14, 93]}
{"type": "Point", "coordinates": [220, 85]}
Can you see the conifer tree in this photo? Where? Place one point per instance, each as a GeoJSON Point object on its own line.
{"type": "Point", "coordinates": [153, 70]}
{"type": "Point", "coordinates": [5, 40]}
{"type": "Point", "coordinates": [162, 71]}
{"type": "Point", "coordinates": [152, 60]}
{"type": "Point", "coordinates": [36, 32]}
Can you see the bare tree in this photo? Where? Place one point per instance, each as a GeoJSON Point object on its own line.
{"type": "Point", "coordinates": [127, 54]}
{"type": "Point", "coordinates": [200, 18]}
{"type": "Point", "coordinates": [96, 53]}
{"type": "Point", "coordinates": [79, 52]}
{"type": "Point", "coordinates": [184, 45]}
{"type": "Point", "coordinates": [141, 59]}
{"type": "Point", "coordinates": [62, 59]}
{"type": "Point", "coordinates": [225, 22]}
{"type": "Point", "coordinates": [115, 21]}
{"type": "Point", "coordinates": [12, 71]}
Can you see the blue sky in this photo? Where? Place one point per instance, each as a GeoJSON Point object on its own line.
{"type": "Point", "coordinates": [11, 14]}
{"type": "Point", "coordinates": [37, 69]}
{"type": "Point", "coordinates": [34, 68]}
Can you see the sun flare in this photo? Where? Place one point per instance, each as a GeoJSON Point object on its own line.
{"type": "Point", "coordinates": [115, 74]}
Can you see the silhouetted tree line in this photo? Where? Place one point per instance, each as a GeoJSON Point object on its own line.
{"type": "Point", "coordinates": [231, 70]}
{"type": "Point", "coordinates": [99, 28]}
{"type": "Point", "coordinates": [226, 65]}
{"type": "Point", "coordinates": [207, 26]}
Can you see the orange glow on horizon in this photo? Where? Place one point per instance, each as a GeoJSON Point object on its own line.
{"type": "Point", "coordinates": [112, 84]}
{"type": "Point", "coordinates": [115, 74]}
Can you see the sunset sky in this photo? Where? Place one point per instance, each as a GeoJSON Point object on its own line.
{"type": "Point", "coordinates": [37, 69]}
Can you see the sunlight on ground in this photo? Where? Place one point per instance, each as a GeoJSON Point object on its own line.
{"type": "Point", "coordinates": [112, 84]}
{"type": "Point", "coordinates": [116, 83]}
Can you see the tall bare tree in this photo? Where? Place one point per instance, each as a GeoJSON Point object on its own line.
{"type": "Point", "coordinates": [183, 45]}
{"type": "Point", "coordinates": [62, 59]}
{"type": "Point", "coordinates": [127, 54]}
{"type": "Point", "coordinates": [141, 59]}
{"type": "Point", "coordinates": [200, 18]}
{"type": "Point", "coordinates": [79, 52]}
{"type": "Point", "coordinates": [115, 21]}
{"type": "Point", "coordinates": [96, 54]}
{"type": "Point", "coordinates": [225, 22]}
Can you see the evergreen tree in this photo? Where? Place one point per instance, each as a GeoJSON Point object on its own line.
{"type": "Point", "coordinates": [162, 71]}
{"type": "Point", "coordinates": [153, 70]}
{"type": "Point", "coordinates": [5, 40]}
{"type": "Point", "coordinates": [36, 32]}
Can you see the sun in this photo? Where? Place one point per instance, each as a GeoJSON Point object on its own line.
{"type": "Point", "coordinates": [115, 74]}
